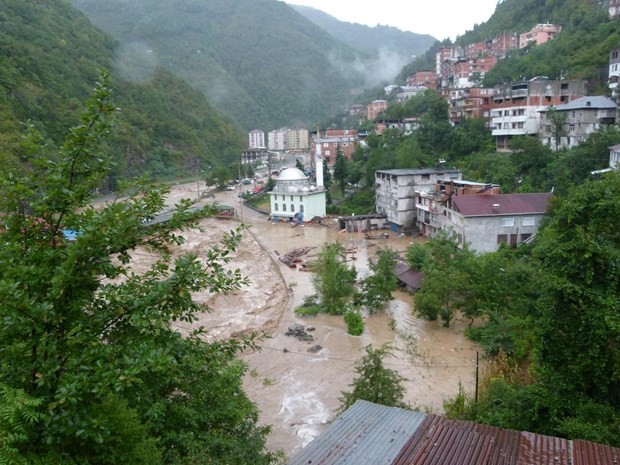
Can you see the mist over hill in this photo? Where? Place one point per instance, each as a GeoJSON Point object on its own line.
{"type": "Point", "coordinates": [259, 62]}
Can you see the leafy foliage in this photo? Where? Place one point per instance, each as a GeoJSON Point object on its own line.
{"type": "Point", "coordinates": [374, 382]}
{"type": "Point", "coordinates": [333, 279]}
{"type": "Point", "coordinates": [91, 370]}
{"type": "Point", "coordinates": [355, 322]}
{"type": "Point", "coordinates": [376, 289]}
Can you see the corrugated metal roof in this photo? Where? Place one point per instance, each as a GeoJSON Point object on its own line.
{"type": "Point", "coordinates": [408, 276]}
{"type": "Point", "coordinates": [365, 434]}
{"type": "Point", "coordinates": [369, 434]}
{"type": "Point", "coordinates": [589, 453]}
{"type": "Point", "coordinates": [501, 204]}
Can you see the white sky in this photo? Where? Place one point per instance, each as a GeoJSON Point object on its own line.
{"type": "Point", "coordinates": [441, 19]}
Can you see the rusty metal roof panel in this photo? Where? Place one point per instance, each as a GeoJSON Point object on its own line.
{"type": "Point", "coordinates": [537, 449]}
{"type": "Point", "coordinates": [589, 453]}
{"type": "Point", "coordinates": [440, 441]}
{"type": "Point", "coordinates": [365, 434]}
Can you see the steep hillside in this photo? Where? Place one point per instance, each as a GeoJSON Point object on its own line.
{"type": "Point", "coordinates": [258, 61]}
{"type": "Point", "coordinates": [392, 47]}
{"type": "Point", "coordinates": [48, 65]}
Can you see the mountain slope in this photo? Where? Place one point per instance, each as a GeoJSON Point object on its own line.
{"type": "Point", "coordinates": [392, 46]}
{"type": "Point", "coordinates": [258, 61]}
{"type": "Point", "coordinates": [48, 65]}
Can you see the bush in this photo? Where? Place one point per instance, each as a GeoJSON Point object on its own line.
{"type": "Point", "coordinates": [355, 323]}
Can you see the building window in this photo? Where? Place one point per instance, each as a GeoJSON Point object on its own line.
{"type": "Point", "coordinates": [291, 198]}
{"type": "Point", "coordinates": [527, 221]}
{"type": "Point", "coordinates": [502, 238]}
{"type": "Point", "coordinates": [283, 207]}
{"type": "Point", "coordinates": [525, 237]}
{"type": "Point", "coordinates": [571, 128]}
{"type": "Point", "coordinates": [292, 207]}
{"type": "Point", "coordinates": [508, 222]}
{"type": "Point", "coordinates": [275, 207]}
{"type": "Point", "coordinates": [301, 208]}
{"type": "Point", "coordinates": [301, 199]}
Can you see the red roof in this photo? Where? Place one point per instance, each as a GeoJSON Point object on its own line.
{"type": "Point", "coordinates": [501, 204]}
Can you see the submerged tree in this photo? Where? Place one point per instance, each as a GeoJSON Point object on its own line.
{"type": "Point", "coordinates": [378, 286]}
{"type": "Point", "coordinates": [91, 370]}
{"type": "Point", "coordinates": [334, 280]}
{"type": "Point", "coordinates": [374, 382]}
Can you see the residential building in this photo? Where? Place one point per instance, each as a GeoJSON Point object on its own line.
{"type": "Point", "coordinates": [614, 160]}
{"type": "Point", "coordinates": [276, 140]}
{"type": "Point", "coordinates": [395, 193]}
{"type": "Point", "coordinates": [539, 34]}
{"type": "Point", "coordinates": [426, 79]}
{"type": "Point", "coordinates": [485, 222]}
{"type": "Point", "coordinates": [614, 72]}
{"type": "Point", "coordinates": [296, 140]}
{"type": "Point", "coordinates": [357, 109]}
{"type": "Point", "coordinates": [517, 106]}
{"type": "Point", "coordinates": [406, 92]}
{"type": "Point", "coordinates": [375, 108]}
{"type": "Point", "coordinates": [255, 155]}
{"type": "Point", "coordinates": [370, 434]}
{"type": "Point", "coordinates": [256, 139]}
{"type": "Point", "coordinates": [473, 102]}
{"type": "Point", "coordinates": [567, 125]}
{"type": "Point", "coordinates": [294, 197]}
{"type": "Point", "coordinates": [333, 140]}
{"type": "Point", "coordinates": [434, 208]}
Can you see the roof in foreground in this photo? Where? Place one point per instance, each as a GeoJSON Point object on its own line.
{"type": "Point", "coordinates": [369, 434]}
{"type": "Point", "coordinates": [595, 101]}
{"type": "Point", "coordinates": [502, 204]}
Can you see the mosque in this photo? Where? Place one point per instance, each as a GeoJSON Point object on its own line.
{"type": "Point", "coordinates": [294, 198]}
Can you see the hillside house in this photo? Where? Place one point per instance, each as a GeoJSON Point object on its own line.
{"type": "Point", "coordinates": [517, 106]}
{"type": "Point", "coordinates": [375, 108]}
{"type": "Point", "coordinates": [395, 193]}
{"type": "Point", "coordinates": [575, 121]}
{"type": "Point", "coordinates": [485, 222]}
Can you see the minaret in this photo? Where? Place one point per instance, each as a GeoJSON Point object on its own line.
{"type": "Point", "coordinates": [318, 162]}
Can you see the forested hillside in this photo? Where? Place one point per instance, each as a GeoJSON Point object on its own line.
{"type": "Point", "coordinates": [258, 61]}
{"type": "Point", "coordinates": [48, 64]}
{"type": "Point", "coordinates": [392, 47]}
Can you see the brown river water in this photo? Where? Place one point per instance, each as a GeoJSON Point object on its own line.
{"type": "Point", "coordinates": [298, 391]}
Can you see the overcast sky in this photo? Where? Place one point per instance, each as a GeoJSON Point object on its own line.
{"type": "Point", "coordinates": [441, 19]}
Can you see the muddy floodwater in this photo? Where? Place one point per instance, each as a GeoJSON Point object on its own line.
{"type": "Point", "coordinates": [296, 390]}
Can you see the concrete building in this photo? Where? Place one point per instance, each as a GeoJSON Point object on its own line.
{"type": "Point", "coordinates": [426, 79]}
{"type": "Point", "coordinates": [614, 72]}
{"type": "Point", "coordinates": [276, 140]}
{"type": "Point", "coordinates": [573, 122]}
{"type": "Point", "coordinates": [395, 193]}
{"type": "Point", "coordinates": [485, 222]}
{"type": "Point", "coordinates": [295, 198]}
{"type": "Point", "coordinates": [375, 108]}
{"type": "Point", "coordinates": [473, 102]}
{"type": "Point", "coordinates": [517, 106]}
{"type": "Point", "coordinates": [256, 139]}
{"type": "Point", "coordinates": [332, 140]}
{"type": "Point", "coordinates": [434, 208]}
{"type": "Point", "coordinates": [539, 34]}
{"type": "Point", "coordinates": [297, 140]}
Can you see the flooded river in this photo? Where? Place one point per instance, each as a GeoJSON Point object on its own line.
{"type": "Point", "coordinates": [298, 391]}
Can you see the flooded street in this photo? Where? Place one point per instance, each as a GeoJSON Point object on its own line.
{"type": "Point", "coordinates": [298, 391]}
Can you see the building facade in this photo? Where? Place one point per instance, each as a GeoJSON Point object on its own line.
{"type": "Point", "coordinates": [517, 106]}
{"type": "Point", "coordinates": [276, 140]}
{"type": "Point", "coordinates": [256, 139]}
{"type": "Point", "coordinates": [570, 124]}
{"type": "Point", "coordinates": [485, 222]}
{"type": "Point", "coordinates": [294, 198]}
{"type": "Point", "coordinates": [375, 108]}
{"type": "Point", "coordinates": [395, 193]}
{"type": "Point", "coordinates": [539, 34]}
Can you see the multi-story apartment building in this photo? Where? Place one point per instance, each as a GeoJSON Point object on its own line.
{"type": "Point", "coordinates": [473, 102]}
{"type": "Point", "coordinates": [539, 34]}
{"type": "Point", "coordinates": [517, 106]}
{"type": "Point", "coordinates": [567, 125]}
{"type": "Point", "coordinates": [333, 140]}
{"type": "Point", "coordinates": [426, 79]}
{"type": "Point", "coordinates": [395, 193]}
{"type": "Point", "coordinates": [375, 108]}
{"type": "Point", "coordinates": [256, 139]}
{"type": "Point", "coordinates": [297, 140]}
{"type": "Point", "coordinates": [276, 140]}
{"type": "Point", "coordinates": [614, 72]}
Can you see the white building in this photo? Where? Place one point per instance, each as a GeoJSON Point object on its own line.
{"type": "Point", "coordinates": [295, 197]}
{"type": "Point", "coordinates": [256, 139]}
{"type": "Point", "coordinates": [276, 140]}
{"type": "Point", "coordinates": [395, 193]}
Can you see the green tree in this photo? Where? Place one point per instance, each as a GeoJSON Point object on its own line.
{"type": "Point", "coordinates": [333, 279]}
{"type": "Point", "coordinates": [341, 170]}
{"type": "Point", "coordinates": [299, 165]}
{"type": "Point", "coordinates": [91, 369]}
{"type": "Point", "coordinates": [327, 175]}
{"type": "Point", "coordinates": [375, 383]}
{"type": "Point", "coordinates": [219, 176]}
{"type": "Point", "coordinates": [377, 288]}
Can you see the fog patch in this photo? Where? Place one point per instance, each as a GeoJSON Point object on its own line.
{"type": "Point", "coordinates": [377, 70]}
{"type": "Point", "coordinates": [136, 61]}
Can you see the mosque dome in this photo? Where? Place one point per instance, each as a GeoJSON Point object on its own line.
{"type": "Point", "coordinates": [292, 174]}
